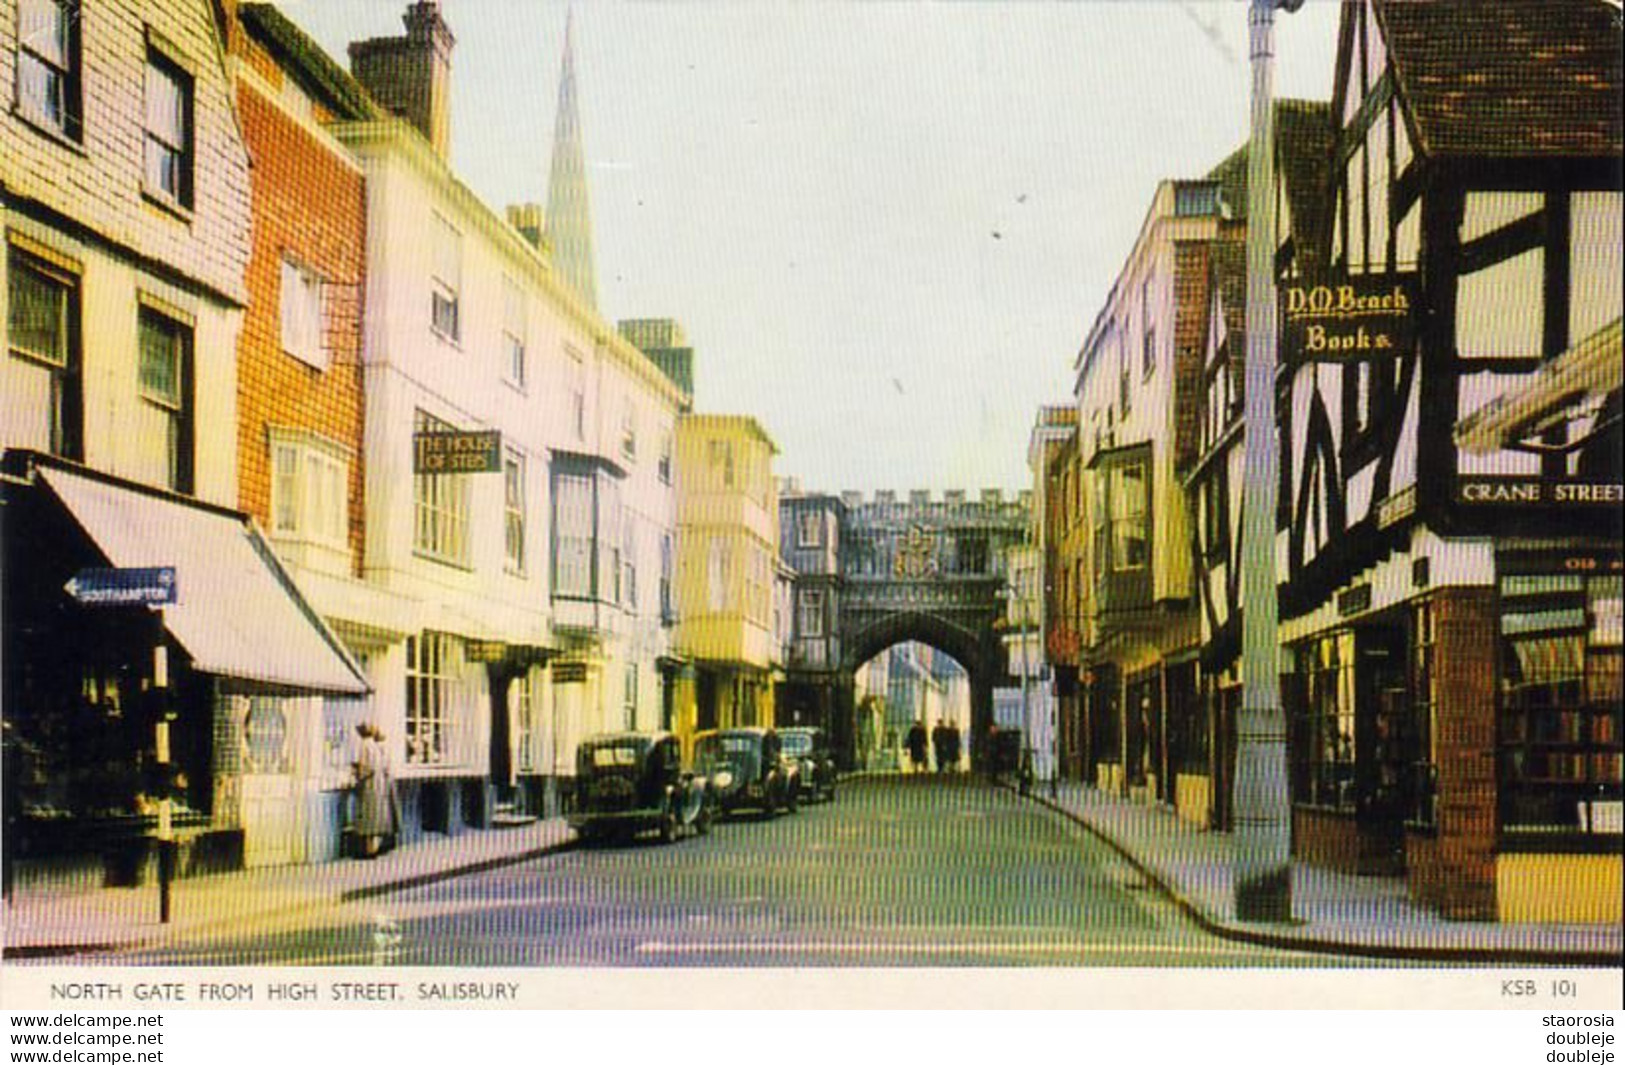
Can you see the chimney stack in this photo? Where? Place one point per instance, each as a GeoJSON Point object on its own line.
{"type": "Point", "coordinates": [411, 76]}
{"type": "Point", "coordinates": [531, 221]}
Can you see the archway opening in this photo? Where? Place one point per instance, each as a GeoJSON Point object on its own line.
{"type": "Point", "coordinates": [912, 711]}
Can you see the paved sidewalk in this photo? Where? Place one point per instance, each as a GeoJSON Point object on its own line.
{"type": "Point", "coordinates": [55, 918]}
{"type": "Point", "coordinates": [1335, 912]}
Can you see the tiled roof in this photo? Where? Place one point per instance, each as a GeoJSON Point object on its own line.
{"type": "Point", "coordinates": [1508, 77]}
{"type": "Point", "coordinates": [1303, 148]}
{"type": "Point", "coordinates": [313, 67]}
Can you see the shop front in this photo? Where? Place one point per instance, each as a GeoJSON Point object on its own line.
{"type": "Point", "coordinates": [209, 690]}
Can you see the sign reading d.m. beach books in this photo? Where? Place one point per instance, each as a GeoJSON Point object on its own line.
{"type": "Point", "coordinates": [1368, 317]}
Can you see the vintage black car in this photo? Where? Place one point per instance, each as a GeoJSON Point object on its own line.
{"type": "Point", "coordinates": [746, 768]}
{"type": "Point", "coordinates": [631, 782]}
{"type": "Point", "coordinates": [810, 747]}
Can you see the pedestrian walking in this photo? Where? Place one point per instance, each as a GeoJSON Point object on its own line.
{"type": "Point", "coordinates": [376, 816]}
{"type": "Point", "coordinates": [951, 763]}
{"type": "Point", "coordinates": [939, 745]}
{"type": "Point", "coordinates": [916, 746]}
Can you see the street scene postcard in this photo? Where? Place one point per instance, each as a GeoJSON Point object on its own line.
{"type": "Point", "coordinates": [498, 488]}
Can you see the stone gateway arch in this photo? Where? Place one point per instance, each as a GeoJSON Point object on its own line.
{"type": "Point", "coordinates": [872, 572]}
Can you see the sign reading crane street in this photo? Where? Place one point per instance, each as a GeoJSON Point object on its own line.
{"type": "Point", "coordinates": [129, 586]}
{"type": "Point", "coordinates": [456, 452]}
{"type": "Point", "coordinates": [1368, 317]}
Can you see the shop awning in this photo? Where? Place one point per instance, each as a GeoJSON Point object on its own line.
{"type": "Point", "coordinates": [1585, 373]}
{"type": "Point", "coordinates": [237, 613]}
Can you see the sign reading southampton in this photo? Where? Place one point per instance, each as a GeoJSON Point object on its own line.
{"type": "Point", "coordinates": [477, 452]}
{"type": "Point", "coordinates": [1365, 317]}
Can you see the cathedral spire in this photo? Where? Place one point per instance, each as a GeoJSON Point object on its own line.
{"type": "Point", "coordinates": [569, 219]}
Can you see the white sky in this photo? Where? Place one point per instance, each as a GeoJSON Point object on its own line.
{"type": "Point", "coordinates": [886, 227]}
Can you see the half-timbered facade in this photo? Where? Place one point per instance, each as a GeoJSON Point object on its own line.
{"type": "Point", "coordinates": [1452, 594]}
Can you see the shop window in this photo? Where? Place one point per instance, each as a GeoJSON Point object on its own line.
{"type": "Point", "coordinates": [528, 721]}
{"type": "Point", "coordinates": [42, 330]}
{"type": "Point", "coordinates": [433, 681]}
{"type": "Point", "coordinates": [1421, 783]}
{"type": "Point", "coordinates": [168, 130]}
{"type": "Point", "coordinates": [630, 694]}
{"type": "Point", "coordinates": [48, 89]}
{"type": "Point", "coordinates": [165, 384]}
{"type": "Point", "coordinates": [1324, 740]}
{"type": "Point", "coordinates": [1560, 734]}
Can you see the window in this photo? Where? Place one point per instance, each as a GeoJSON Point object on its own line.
{"type": "Point", "coordinates": [576, 390]}
{"type": "Point", "coordinates": [717, 574]}
{"type": "Point", "coordinates": [513, 512]}
{"type": "Point", "coordinates": [665, 459]}
{"type": "Point", "coordinates": [164, 376]}
{"type": "Point", "coordinates": [1196, 198]}
{"type": "Point", "coordinates": [302, 333]}
{"type": "Point", "coordinates": [433, 691]}
{"type": "Point", "coordinates": [1420, 786]}
{"type": "Point", "coordinates": [309, 492]}
{"type": "Point", "coordinates": [629, 431]}
{"type": "Point", "coordinates": [667, 560]}
{"type": "Point", "coordinates": [446, 281]}
{"type": "Point", "coordinates": [1125, 389]}
{"type": "Point", "coordinates": [440, 506]}
{"type": "Point", "coordinates": [809, 529]}
{"type": "Point", "coordinates": [168, 130]}
{"type": "Point", "coordinates": [629, 565]}
{"type": "Point", "coordinates": [1215, 493]}
{"type": "Point", "coordinates": [572, 535]}
{"type": "Point", "coordinates": [721, 456]}
{"type": "Point", "coordinates": [1148, 331]}
{"type": "Point", "coordinates": [629, 694]}
{"type": "Point", "coordinates": [1129, 533]}
{"type": "Point", "coordinates": [48, 64]}
{"type": "Point", "coordinates": [513, 333]}
{"type": "Point", "coordinates": [528, 722]}
{"type": "Point", "coordinates": [588, 550]}
{"type": "Point", "coordinates": [1560, 700]}
{"type": "Point", "coordinates": [42, 328]}
{"type": "Point", "coordinates": [1324, 746]}
{"type": "Point", "coordinates": [810, 613]}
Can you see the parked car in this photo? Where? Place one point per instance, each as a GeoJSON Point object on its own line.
{"type": "Point", "coordinates": [811, 748]}
{"type": "Point", "coordinates": [631, 782]}
{"type": "Point", "coordinates": [745, 768]}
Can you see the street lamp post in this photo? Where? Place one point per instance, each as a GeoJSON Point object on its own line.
{"type": "Point", "coordinates": [1262, 810]}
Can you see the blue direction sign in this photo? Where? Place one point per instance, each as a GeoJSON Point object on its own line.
{"type": "Point", "coordinates": [152, 585]}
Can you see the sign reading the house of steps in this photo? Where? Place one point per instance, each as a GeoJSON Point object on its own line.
{"type": "Point", "coordinates": [476, 452]}
{"type": "Point", "coordinates": [1369, 317]}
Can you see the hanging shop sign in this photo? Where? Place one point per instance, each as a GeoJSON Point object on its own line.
{"type": "Point", "coordinates": [457, 452]}
{"type": "Point", "coordinates": [1535, 491]}
{"type": "Point", "coordinates": [1360, 318]}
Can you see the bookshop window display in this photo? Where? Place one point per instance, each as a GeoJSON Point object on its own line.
{"type": "Point", "coordinates": [1560, 749]}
